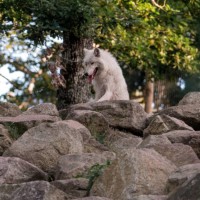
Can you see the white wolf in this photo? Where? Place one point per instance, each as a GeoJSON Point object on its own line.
{"type": "Point", "coordinates": [104, 73]}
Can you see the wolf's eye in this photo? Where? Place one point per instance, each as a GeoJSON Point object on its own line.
{"type": "Point", "coordinates": [92, 63]}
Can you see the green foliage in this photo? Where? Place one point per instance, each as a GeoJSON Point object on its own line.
{"type": "Point", "coordinates": [35, 19]}
{"type": "Point", "coordinates": [94, 172]}
{"type": "Point", "coordinates": [150, 39]}
{"type": "Point", "coordinates": [15, 129]}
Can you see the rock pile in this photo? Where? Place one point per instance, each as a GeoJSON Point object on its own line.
{"type": "Point", "coordinates": [109, 150]}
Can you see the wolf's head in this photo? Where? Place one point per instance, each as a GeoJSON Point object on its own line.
{"type": "Point", "coordinates": [92, 63]}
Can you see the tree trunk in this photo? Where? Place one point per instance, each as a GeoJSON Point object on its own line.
{"type": "Point", "coordinates": [149, 93]}
{"type": "Point", "coordinates": [77, 89]}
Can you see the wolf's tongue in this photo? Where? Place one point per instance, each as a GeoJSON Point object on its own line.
{"type": "Point", "coordinates": [90, 78]}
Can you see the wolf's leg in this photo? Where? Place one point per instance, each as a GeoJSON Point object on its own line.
{"type": "Point", "coordinates": [106, 96]}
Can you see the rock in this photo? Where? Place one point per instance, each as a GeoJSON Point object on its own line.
{"type": "Point", "coordinates": [190, 190]}
{"type": "Point", "coordinates": [39, 190]}
{"type": "Point", "coordinates": [190, 98]}
{"type": "Point", "coordinates": [77, 187]}
{"type": "Point", "coordinates": [126, 115]}
{"type": "Point", "coordinates": [154, 140]}
{"type": "Point", "coordinates": [93, 198]}
{"type": "Point", "coordinates": [78, 165]}
{"type": "Point", "coordinates": [195, 144]}
{"type": "Point", "coordinates": [181, 175]}
{"type": "Point", "coordinates": [191, 138]}
{"type": "Point", "coordinates": [119, 141]}
{"type": "Point", "coordinates": [15, 170]}
{"type": "Point", "coordinates": [44, 144]}
{"type": "Point", "coordinates": [164, 123]}
{"type": "Point", "coordinates": [179, 154]}
{"type": "Point", "coordinates": [93, 146]}
{"type": "Point", "coordinates": [45, 112]}
{"type": "Point", "coordinates": [9, 109]}
{"type": "Point", "coordinates": [94, 121]}
{"type": "Point", "coordinates": [149, 197]}
{"type": "Point", "coordinates": [135, 172]}
{"type": "Point", "coordinates": [34, 116]}
{"type": "Point", "coordinates": [42, 109]}
{"type": "Point", "coordinates": [5, 140]}
{"type": "Point", "coordinates": [181, 136]}
{"type": "Point", "coordinates": [187, 113]}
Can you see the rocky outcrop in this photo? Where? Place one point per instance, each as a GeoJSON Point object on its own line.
{"type": "Point", "coordinates": [45, 143]}
{"type": "Point", "coordinates": [109, 150]}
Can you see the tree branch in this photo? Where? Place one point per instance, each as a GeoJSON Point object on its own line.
{"type": "Point", "coordinates": [157, 5]}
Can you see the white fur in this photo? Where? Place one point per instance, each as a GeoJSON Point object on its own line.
{"type": "Point", "coordinates": [109, 83]}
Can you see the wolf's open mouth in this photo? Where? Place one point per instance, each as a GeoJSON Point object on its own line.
{"type": "Point", "coordinates": [91, 77]}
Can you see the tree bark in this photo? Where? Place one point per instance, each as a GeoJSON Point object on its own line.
{"type": "Point", "coordinates": [77, 89]}
{"type": "Point", "coordinates": [149, 93]}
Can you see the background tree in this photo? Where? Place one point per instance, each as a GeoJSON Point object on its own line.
{"type": "Point", "coordinates": [70, 20]}
{"type": "Point", "coordinates": [159, 43]}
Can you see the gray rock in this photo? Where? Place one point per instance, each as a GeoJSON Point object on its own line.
{"type": "Point", "coordinates": [42, 109]}
{"type": "Point", "coordinates": [181, 136]}
{"type": "Point", "coordinates": [187, 113]}
{"type": "Point", "coordinates": [39, 190]}
{"type": "Point", "coordinates": [9, 110]}
{"type": "Point", "coordinates": [127, 115]}
{"type": "Point", "coordinates": [181, 175]}
{"type": "Point", "coordinates": [163, 123]}
{"type": "Point", "coordinates": [93, 198]}
{"type": "Point", "coordinates": [179, 154]}
{"type": "Point", "coordinates": [136, 171]}
{"type": "Point", "coordinates": [191, 138]}
{"type": "Point", "coordinates": [154, 140]}
{"type": "Point", "coordinates": [15, 170]}
{"type": "Point", "coordinates": [190, 98]}
{"type": "Point", "coordinates": [119, 141]}
{"type": "Point", "coordinates": [94, 121]}
{"type": "Point", "coordinates": [5, 139]}
{"type": "Point", "coordinates": [190, 190]}
{"type": "Point", "coordinates": [73, 165]}
{"type": "Point", "coordinates": [77, 187]}
{"type": "Point", "coordinates": [149, 197]}
{"type": "Point", "coordinates": [45, 143]}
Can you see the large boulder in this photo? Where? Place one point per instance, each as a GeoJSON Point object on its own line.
{"type": "Point", "coordinates": [93, 198]}
{"type": "Point", "coordinates": [135, 172]}
{"type": "Point", "coordinates": [5, 139]}
{"type": "Point", "coordinates": [187, 113]}
{"type": "Point", "coordinates": [9, 110]}
{"type": "Point", "coordinates": [179, 154]}
{"type": "Point", "coordinates": [126, 115]}
{"type": "Point", "coordinates": [149, 197]}
{"type": "Point", "coordinates": [190, 98]}
{"type": "Point", "coordinates": [44, 144]}
{"type": "Point", "coordinates": [94, 121]}
{"type": "Point", "coordinates": [17, 125]}
{"type": "Point", "coordinates": [76, 187]}
{"type": "Point", "coordinates": [119, 141]}
{"type": "Point", "coordinates": [164, 123]}
{"type": "Point", "coordinates": [15, 170]}
{"type": "Point", "coordinates": [73, 165]}
{"type": "Point", "coordinates": [191, 138]}
{"type": "Point", "coordinates": [190, 190]}
{"type": "Point", "coordinates": [40, 190]}
{"type": "Point", "coordinates": [181, 175]}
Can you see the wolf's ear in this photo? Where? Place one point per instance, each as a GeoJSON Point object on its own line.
{"type": "Point", "coordinates": [97, 52]}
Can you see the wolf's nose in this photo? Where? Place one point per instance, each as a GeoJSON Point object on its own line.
{"type": "Point", "coordinates": [86, 74]}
